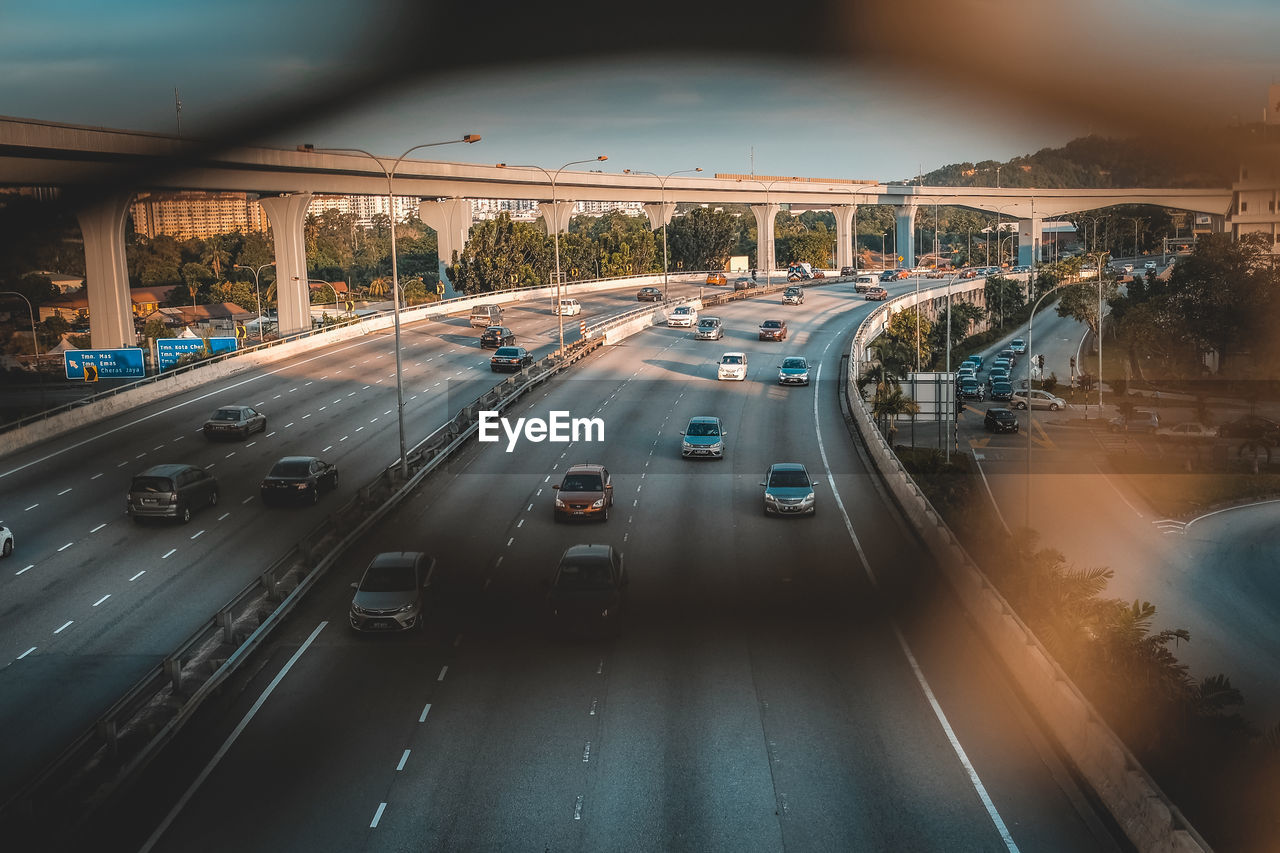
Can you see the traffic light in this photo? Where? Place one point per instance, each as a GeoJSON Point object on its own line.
{"type": "Point", "coordinates": [1073, 364]}
{"type": "Point", "coordinates": [90, 373]}
{"type": "Point", "coordinates": [1040, 361]}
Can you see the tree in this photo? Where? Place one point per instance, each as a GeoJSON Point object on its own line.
{"type": "Point", "coordinates": [1004, 296]}
{"type": "Point", "coordinates": [888, 406]}
{"type": "Point", "coordinates": [897, 343]}
{"type": "Point", "coordinates": [702, 239]}
{"type": "Point", "coordinates": [501, 255]}
{"type": "Point", "coordinates": [156, 329]}
{"type": "Point", "coordinates": [50, 332]}
{"type": "Point", "coordinates": [1080, 302]}
{"type": "Point", "coordinates": [416, 292]}
{"type": "Point", "coordinates": [194, 275]}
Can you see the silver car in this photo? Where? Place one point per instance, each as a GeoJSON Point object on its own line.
{"type": "Point", "coordinates": [1037, 399]}
{"type": "Point", "coordinates": [709, 329]}
{"type": "Point", "coordinates": [6, 541]}
{"type": "Point", "coordinates": [389, 595]}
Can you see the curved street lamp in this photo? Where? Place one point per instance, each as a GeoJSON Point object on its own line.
{"type": "Point", "coordinates": [553, 178]}
{"type": "Point", "coordinates": [395, 271]}
{"type": "Point", "coordinates": [257, 290]}
{"type": "Point", "coordinates": [662, 195]}
{"type": "Point", "coordinates": [1030, 411]}
{"type": "Point", "coordinates": [35, 341]}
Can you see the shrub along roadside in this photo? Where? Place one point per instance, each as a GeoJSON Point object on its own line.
{"type": "Point", "coordinates": [1221, 771]}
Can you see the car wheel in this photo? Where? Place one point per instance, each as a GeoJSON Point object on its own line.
{"type": "Point", "coordinates": [604, 513]}
{"type": "Point", "coordinates": [1020, 405]}
{"type": "Point", "coordinates": [213, 498]}
{"type": "Point", "coordinates": [8, 547]}
{"type": "Point", "coordinates": [334, 484]}
{"type": "Point", "coordinates": [315, 495]}
{"type": "Point", "coordinates": [1053, 407]}
{"type": "Point", "coordinates": [185, 515]}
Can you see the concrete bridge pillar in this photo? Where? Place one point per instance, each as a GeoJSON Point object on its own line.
{"type": "Point", "coordinates": [905, 235]}
{"type": "Point", "coordinates": [451, 219]}
{"type": "Point", "coordinates": [106, 273]}
{"type": "Point", "coordinates": [659, 214]}
{"type": "Point", "coordinates": [1030, 232]}
{"type": "Point", "coordinates": [556, 216]}
{"type": "Point", "coordinates": [287, 213]}
{"type": "Point", "coordinates": [844, 233]}
{"type": "Point", "coordinates": [766, 216]}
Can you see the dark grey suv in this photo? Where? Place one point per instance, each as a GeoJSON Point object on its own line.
{"type": "Point", "coordinates": [389, 595]}
{"type": "Point", "coordinates": [170, 491]}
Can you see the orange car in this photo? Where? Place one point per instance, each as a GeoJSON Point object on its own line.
{"type": "Point", "coordinates": [717, 278]}
{"type": "Point", "coordinates": [819, 274]}
{"type": "Point", "coordinates": [585, 493]}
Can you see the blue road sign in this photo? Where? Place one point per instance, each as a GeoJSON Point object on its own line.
{"type": "Point", "coordinates": [110, 363]}
{"type": "Point", "coordinates": [169, 350]}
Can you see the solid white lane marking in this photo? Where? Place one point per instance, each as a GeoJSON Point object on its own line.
{"type": "Point", "coordinates": [226, 745]}
{"type": "Point", "coordinates": [443, 670]}
{"type": "Point", "coordinates": [63, 492]}
{"type": "Point", "coordinates": [1000, 515]}
{"type": "Point", "coordinates": [425, 711]}
{"type": "Point", "coordinates": [138, 575]}
{"type": "Point", "coordinates": [64, 547]}
{"type": "Point", "coordinates": [974, 780]}
{"type": "Point", "coordinates": [65, 626]}
{"type": "Point", "coordinates": [1229, 509]}
{"type": "Point", "coordinates": [99, 527]}
{"type": "Point", "coordinates": [172, 551]}
{"type": "Point", "coordinates": [27, 652]}
{"type": "Point", "coordinates": [403, 760]}
{"type": "Point", "coordinates": [1119, 493]}
{"type": "Point", "coordinates": [100, 600]}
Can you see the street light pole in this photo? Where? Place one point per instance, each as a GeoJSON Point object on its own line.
{"type": "Point", "coordinates": [395, 270]}
{"type": "Point", "coordinates": [1030, 357]}
{"type": "Point", "coordinates": [556, 227]}
{"type": "Point", "coordinates": [662, 196]}
{"type": "Point", "coordinates": [258, 292]}
{"type": "Point", "coordinates": [1100, 256]}
{"type": "Point", "coordinates": [35, 341]}
{"type": "Point", "coordinates": [951, 426]}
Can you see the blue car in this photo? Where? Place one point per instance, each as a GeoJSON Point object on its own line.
{"type": "Point", "coordinates": [704, 436]}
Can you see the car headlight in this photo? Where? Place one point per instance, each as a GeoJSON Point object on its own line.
{"type": "Point", "coordinates": [407, 608]}
{"type": "Point", "coordinates": [598, 504]}
{"type": "Point", "coordinates": [559, 504]}
{"type": "Point", "coordinates": [604, 614]}
{"type": "Point", "coordinates": [357, 609]}
{"type": "Point", "coordinates": [808, 497]}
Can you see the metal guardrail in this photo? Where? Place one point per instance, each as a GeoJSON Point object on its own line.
{"type": "Point", "coordinates": [133, 730]}
{"type": "Point", "coordinates": [129, 734]}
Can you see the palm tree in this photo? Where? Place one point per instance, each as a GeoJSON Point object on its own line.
{"type": "Point", "coordinates": [889, 405]}
{"type": "Point", "coordinates": [880, 376]}
{"type": "Point", "coordinates": [379, 286]}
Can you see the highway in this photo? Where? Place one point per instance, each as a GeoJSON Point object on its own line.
{"type": "Point", "coordinates": [778, 683]}
{"type": "Point", "coordinates": [92, 601]}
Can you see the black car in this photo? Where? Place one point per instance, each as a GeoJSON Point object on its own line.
{"type": "Point", "coordinates": [844, 271]}
{"type": "Point", "coordinates": [1001, 391]}
{"type": "Point", "coordinates": [510, 358]}
{"type": "Point", "coordinates": [889, 275]}
{"type": "Point", "coordinates": [234, 422]}
{"type": "Point", "coordinates": [773, 330]}
{"type": "Point", "coordinates": [1000, 420]}
{"type": "Point", "coordinates": [298, 478]}
{"type": "Point", "coordinates": [497, 336]}
{"type": "Point", "coordinates": [1252, 427]}
{"type": "Point", "coordinates": [649, 294]}
{"type": "Point", "coordinates": [971, 389]}
{"type": "Point", "coordinates": [589, 589]}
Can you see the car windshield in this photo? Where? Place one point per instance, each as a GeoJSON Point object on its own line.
{"type": "Point", "coordinates": [582, 483]}
{"type": "Point", "coordinates": [731, 359]}
{"type": "Point", "coordinates": [1001, 386]}
{"type": "Point", "coordinates": [789, 479]}
{"type": "Point", "coordinates": [703, 428]}
{"type": "Point", "coordinates": [506, 351]}
{"type": "Point", "coordinates": [771, 324]}
{"type": "Point", "coordinates": [706, 324]}
{"type": "Point", "coordinates": [683, 309]}
{"type": "Point", "coordinates": [388, 578]}
{"type": "Point", "coordinates": [585, 573]}
{"type": "Point", "coordinates": [152, 484]}
{"type": "Point", "coordinates": [291, 468]}
{"type": "Point", "coordinates": [793, 291]}
{"type": "Point", "coordinates": [793, 363]}
{"type": "Point", "coordinates": [226, 415]}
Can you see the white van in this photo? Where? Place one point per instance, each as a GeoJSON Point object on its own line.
{"type": "Point", "coordinates": [568, 308]}
{"type": "Point", "coordinates": [484, 316]}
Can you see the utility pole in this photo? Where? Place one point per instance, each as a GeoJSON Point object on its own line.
{"type": "Point", "coordinates": [177, 108]}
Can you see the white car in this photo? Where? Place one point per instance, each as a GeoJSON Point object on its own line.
{"type": "Point", "coordinates": [1149, 265]}
{"type": "Point", "coordinates": [733, 365]}
{"type": "Point", "coordinates": [6, 541]}
{"type": "Point", "coordinates": [568, 307]}
{"type": "Point", "coordinates": [1038, 399]}
{"type": "Point", "coordinates": [682, 315]}
{"type": "Point", "coordinates": [1189, 431]}
{"type": "Point", "coordinates": [1018, 345]}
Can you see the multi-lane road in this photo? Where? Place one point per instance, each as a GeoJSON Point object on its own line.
{"type": "Point", "coordinates": [778, 683]}
{"type": "Point", "coordinates": [90, 601]}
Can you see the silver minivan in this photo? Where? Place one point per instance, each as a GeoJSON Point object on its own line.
{"type": "Point", "coordinates": [170, 491]}
{"type": "Point", "coordinates": [484, 316]}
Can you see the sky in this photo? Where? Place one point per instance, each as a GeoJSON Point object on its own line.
{"type": "Point", "coordinates": [772, 110]}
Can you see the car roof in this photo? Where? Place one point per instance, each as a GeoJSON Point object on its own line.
{"type": "Point", "coordinates": [787, 466]}
{"type": "Point", "coordinates": [585, 468]}
{"type": "Point", "coordinates": [590, 550]}
{"type": "Point", "coordinates": [296, 459]}
{"type": "Point", "coordinates": [778, 322]}
{"type": "Point", "coordinates": [234, 406]}
{"type": "Point", "coordinates": [166, 470]}
{"type": "Point", "coordinates": [395, 558]}
{"type": "Point", "coordinates": [704, 419]}
{"type": "Point", "coordinates": [735, 352]}
{"type": "Point", "coordinates": [998, 410]}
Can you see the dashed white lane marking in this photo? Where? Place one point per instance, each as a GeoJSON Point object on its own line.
{"type": "Point", "coordinates": [122, 464]}
{"type": "Point", "coordinates": [224, 515]}
{"type": "Point", "coordinates": [100, 600]}
{"type": "Point", "coordinates": [344, 438]}
{"type": "Point", "coordinates": [586, 753]}
{"type": "Point", "coordinates": [158, 446]}
{"type": "Point", "coordinates": [277, 397]}
{"type": "Point", "coordinates": [577, 809]}
{"type": "Point", "coordinates": [530, 506]}
{"type": "Point", "coordinates": [197, 534]}
{"type": "Point", "coordinates": [352, 393]}
{"type": "Point", "coordinates": [373, 420]}
{"type": "Point", "coordinates": [305, 384]}
{"type": "Point", "coordinates": [592, 712]}
{"type": "Point", "coordinates": [251, 444]}
{"type": "Point", "coordinates": [246, 500]}
{"type": "Point", "coordinates": [172, 551]}
{"type": "Point", "coordinates": [365, 388]}
{"type": "Point", "coordinates": [444, 669]}
{"type": "Point", "coordinates": [268, 435]}
{"type": "Point", "coordinates": [96, 476]}
{"type": "Point", "coordinates": [229, 455]}
{"type": "Point", "coordinates": [304, 417]}
{"type": "Point", "coordinates": [427, 710]}
{"type": "Point", "coordinates": [404, 759]}
{"type": "Point", "coordinates": [289, 424]}
{"type": "Point", "coordinates": [359, 428]}
{"type": "Point", "coordinates": [291, 390]}
{"type": "Point", "coordinates": [339, 400]}
{"type": "Point", "coordinates": [509, 541]}
{"type": "Point", "coordinates": [179, 438]}
{"type": "Point", "coordinates": [520, 523]}
{"type": "Point", "coordinates": [388, 411]}
{"type": "Point", "coordinates": [65, 626]}
{"type": "Point", "coordinates": [138, 575]}
{"type": "Point", "coordinates": [260, 402]}
{"type": "Point", "coordinates": [27, 652]}
{"type": "Point", "coordinates": [140, 455]}
{"type": "Point", "coordinates": [63, 492]}
{"type": "Point", "coordinates": [64, 547]}
{"type": "Point", "coordinates": [227, 744]}
{"type": "Point", "coordinates": [327, 449]}
{"type": "Point", "coordinates": [27, 569]}
{"type": "Point", "coordinates": [99, 527]}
